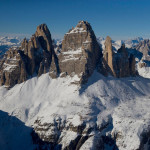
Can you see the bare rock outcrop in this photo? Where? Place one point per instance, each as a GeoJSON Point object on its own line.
{"type": "Point", "coordinates": [119, 64]}
{"type": "Point", "coordinates": [109, 56]}
{"type": "Point", "coordinates": [33, 57]}
{"type": "Point", "coordinates": [55, 135]}
{"type": "Point", "coordinates": [13, 68]}
{"type": "Point", "coordinates": [80, 52]}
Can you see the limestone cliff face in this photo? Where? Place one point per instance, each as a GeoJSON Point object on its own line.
{"type": "Point", "coordinates": [44, 36]}
{"type": "Point", "coordinates": [13, 68]}
{"type": "Point", "coordinates": [119, 64]}
{"type": "Point", "coordinates": [39, 50]}
{"type": "Point", "coordinates": [109, 56]}
{"type": "Point", "coordinates": [33, 57]}
{"type": "Point", "coordinates": [80, 52]}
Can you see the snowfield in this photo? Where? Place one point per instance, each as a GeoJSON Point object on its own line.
{"type": "Point", "coordinates": [144, 71]}
{"type": "Point", "coordinates": [120, 107]}
{"type": "Point", "coordinates": [123, 103]}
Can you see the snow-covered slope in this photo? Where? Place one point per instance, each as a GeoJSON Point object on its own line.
{"type": "Point", "coordinates": [144, 71]}
{"type": "Point", "coordinates": [116, 108]}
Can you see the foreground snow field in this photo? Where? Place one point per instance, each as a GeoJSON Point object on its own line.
{"type": "Point", "coordinates": [121, 103]}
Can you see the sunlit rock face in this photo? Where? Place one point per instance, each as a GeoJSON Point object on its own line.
{"type": "Point", "coordinates": [80, 52]}
{"type": "Point", "coordinates": [80, 55]}
{"type": "Point", "coordinates": [33, 57]}
{"type": "Point", "coordinates": [119, 64]}
{"type": "Point", "coordinates": [13, 68]}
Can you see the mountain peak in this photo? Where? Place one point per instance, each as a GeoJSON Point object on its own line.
{"type": "Point", "coordinates": [81, 23]}
{"type": "Point", "coordinates": [118, 64]}
{"type": "Point", "coordinates": [42, 27]}
{"type": "Point", "coordinates": [44, 36]}
{"type": "Point", "coordinates": [108, 38]}
{"type": "Point", "coordinates": [81, 27]}
{"type": "Point", "coordinates": [81, 49]}
{"type": "Point", "coordinates": [33, 57]}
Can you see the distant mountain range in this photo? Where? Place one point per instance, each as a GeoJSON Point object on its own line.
{"type": "Point", "coordinates": [7, 42]}
{"type": "Point", "coordinates": [130, 43]}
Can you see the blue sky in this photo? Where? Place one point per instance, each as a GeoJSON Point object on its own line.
{"type": "Point", "coordinates": [120, 19]}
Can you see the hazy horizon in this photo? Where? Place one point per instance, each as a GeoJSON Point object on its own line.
{"type": "Point", "coordinates": [28, 36]}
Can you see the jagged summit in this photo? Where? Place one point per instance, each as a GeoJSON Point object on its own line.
{"type": "Point", "coordinates": [33, 57]}
{"type": "Point", "coordinates": [80, 55]}
{"type": "Point", "coordinates": [42, 27]}
{"type": "Point", "coordinates": [120, 64]}
{"type": "Point", "coordinates": [80, 52]}
{"type": "Point", "coordinates": [81, 27]}
{"type": "Point", "coordinates": [85, 25]}
{"type": "Point", "coordinates": [108, 38]}
{"type": "Point", "coordinates": [44, 36]}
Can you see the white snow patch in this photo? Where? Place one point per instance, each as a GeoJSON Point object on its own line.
{"type": "Point", "coordinates": [77, 30]}
{"type": "Point", "coordinates": [9, 67]}
{"type": "Point", "coordinates": [144, 71]}
{"type": "Point", "coordinates": [70, 52]}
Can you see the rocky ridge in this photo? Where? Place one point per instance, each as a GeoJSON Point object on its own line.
{"type": "Point", "coordinates": [80, 54]}
{"type": "Point", "coordinates": [33, 57]}
{"type": "Point", "coordinates": [119, 64]}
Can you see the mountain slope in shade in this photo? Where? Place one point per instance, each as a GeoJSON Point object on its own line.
{"type": "Point", "coordinates": [103, 108]}
{"type": "Point", "coordinates": [14, 134]}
